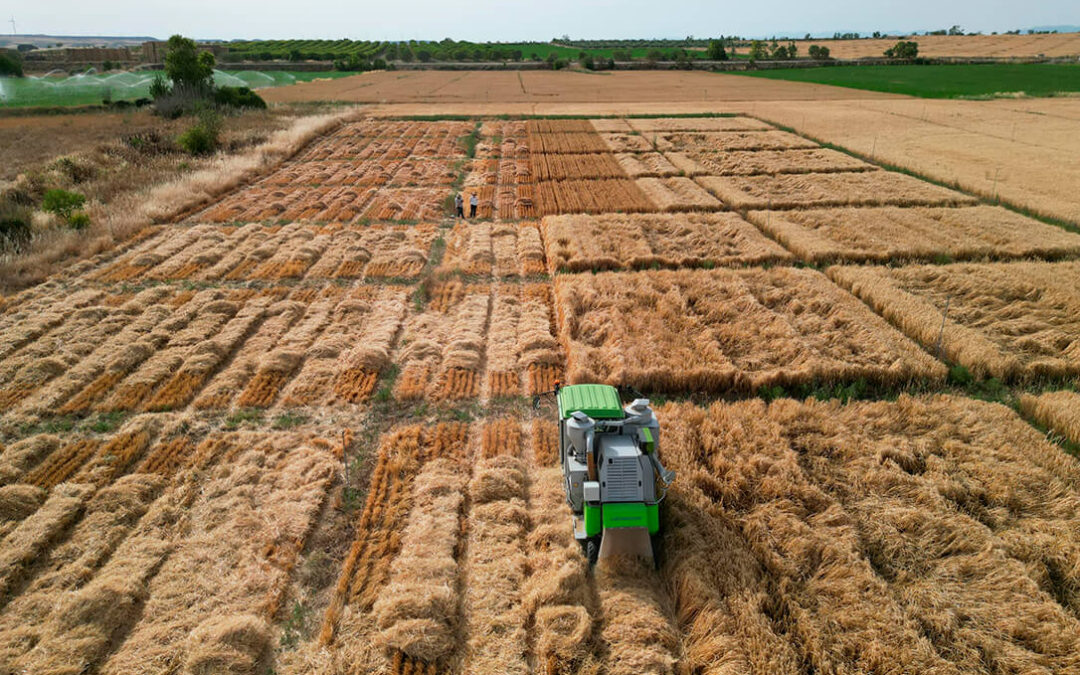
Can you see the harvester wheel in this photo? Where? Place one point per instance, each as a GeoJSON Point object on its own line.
{"type": "Point", "coordinates": [657, 542]}
{"type": "Point", "coordinates": [592, 550]}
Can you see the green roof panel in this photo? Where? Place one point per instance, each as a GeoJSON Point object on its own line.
{"type": "Point", "coordinates": [599, 401]}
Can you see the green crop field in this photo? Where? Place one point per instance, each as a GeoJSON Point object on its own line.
{"type": "Point", "coordinates": [942, 81]}
{"type": "Point", "coordinates": [91, 89]}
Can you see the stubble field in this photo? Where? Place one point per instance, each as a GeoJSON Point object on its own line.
{"type": "Point", "coordinates": [293, 432]}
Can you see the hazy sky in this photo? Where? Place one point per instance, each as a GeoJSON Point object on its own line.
{"type": "Point", "coordinates": [520, 19]}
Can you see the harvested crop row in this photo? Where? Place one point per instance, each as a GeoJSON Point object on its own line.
{"type": "Point", "coordinates": [901, 234]}
{"type": "Point", "coordinates": [556, 595]}
{"type": "Point", "coordinates": [727, 141]}
{"type": "Point", "coordinates": [636, 629]}
{"type": "Point", "coordinates": [110, 517]}
{"type": "Point", "coordinates": [756, 162]}
{"type": "Point", "coordinates": [354, 346]}
{"type": "Point", "coordinates": [677, 194]}
{"type": "Point", "coordinates": [484, 249]}
{"type": "Point", "coordinates": [1006, 320]}
{"type": "Point", "coordinates": [53, 361]}
{"type": "Point", "coordinates": [565, 167]}
{"type": "Point", "coordinates": [391, 140]}
{"type": "Point", "coordinates": [495, 567]}
{"type": "Point", "coordinates": [793, 191]}
{"type": "Point", "coordinates": [417, 610]}
{"type": "Point", "coordinates": [362, 173]}
{"type": "Point", "coordinates": [726, 330]}
{"type": "Point", "coordinates": [611, 242]}
{"type": "Point", "coordinates": [233, 563]}
{"type": "Point", "coordinates": [1059, 411]}
{"type": "Point", "coordinates": [591, 196]}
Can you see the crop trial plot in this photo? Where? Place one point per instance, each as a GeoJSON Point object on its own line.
{"type": "Point", "coordinates": [1006, 320]}
{"type": "Point", "coordinates": [476, 339]}
{"type": "Point", "coordinates": [502, 250]}
{"type": "Point", "coordinates": [793, 191]}
{"type": "Point", "coordinates": [612, 242]}
{"type": "Point", "coordinates": [721, 141]}
{"type": "Point", "coordinates": [727, 330]}
{"type": "Point", "coordinates": [756, 162]}
{"type": "Point", "coordinates": [898, 234]}
{"type": "Point", "coordinates": [293, 251]}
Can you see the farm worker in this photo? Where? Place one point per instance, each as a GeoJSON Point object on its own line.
{"type": "Point", "coordinates": [474, 201]}
{"type": "Point", "coordinates": [459, 203]}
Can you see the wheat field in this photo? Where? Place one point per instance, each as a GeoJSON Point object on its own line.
{"type": "Point", "coordinates": [293, 431]}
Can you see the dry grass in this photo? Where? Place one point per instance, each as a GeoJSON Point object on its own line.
{"type": "Point", "coordinates": [727, 330]}
{"type": "Point", "coordinates": [793, 191]}
{"type": "Point", "coordinates": [756, 162]}
{"type": "Point", "coordinates": [609, 242]}
{"type": "Point", "coordinates": [1059, 411]}
{"type": "Point", "coordinates": [903, 234]}
{"type": "Point", "coordinates": [496, 567]}
{"type": "Point", "coordinates": [1006, 320]}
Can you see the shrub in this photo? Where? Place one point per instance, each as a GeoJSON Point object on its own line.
{"type": "Point", "coordinates": [202, 138]}
{"type": "Point", "coordinates": [14, 226]}
{"type": "Point", "coordinates": [62, 202]}
{"type": "Point", "coordinates": [559, 64]}
{"type": "Point", "coordinates": [159, 88]}
{"type": "Point", "coordinates": [238, 97]}
{"type": "Point", "coordinates": [78, 220]}
{"type": "Point", "coordinates": [819, 53]}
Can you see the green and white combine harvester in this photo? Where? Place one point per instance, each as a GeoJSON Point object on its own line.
{"type": "Point", "coordinates": [613, 477]}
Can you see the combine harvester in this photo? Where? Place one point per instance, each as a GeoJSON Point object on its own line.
{"type": "Point", "coordinates": [613, 479]}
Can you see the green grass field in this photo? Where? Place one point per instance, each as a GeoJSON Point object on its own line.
{"type": "Point", "coordinates": [92, 89]}
{"type": "Point", "coordinates": [961, 81]}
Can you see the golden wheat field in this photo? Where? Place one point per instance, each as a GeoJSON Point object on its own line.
{"type": "Point", "coordinates": [293, 431]}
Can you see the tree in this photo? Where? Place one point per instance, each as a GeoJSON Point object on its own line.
{"type": "Point", "coordinates": [191, 71]}
{"type": "Point", "coordinates": [757, 51]}
{"type": "Point", "coordinates": [904, 49]}
{"type": "Point", "coordinates": [717, 51]}
{"type": "Point", "coordinates": [10, 65]}
{"type": "Point", "coordinates": [819, 53]}
{"type": "Point", "coordinates": [956, 30]}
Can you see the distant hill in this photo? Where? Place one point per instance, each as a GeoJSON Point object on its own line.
{"type": "Point", "coordinates": [41, 41]}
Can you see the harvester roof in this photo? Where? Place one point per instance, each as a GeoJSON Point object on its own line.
{"type": "Point", "coordinates": [599, 401]}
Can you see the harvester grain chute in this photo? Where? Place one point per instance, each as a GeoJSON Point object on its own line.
{"type": "Point", "coordinates": [613, 478]}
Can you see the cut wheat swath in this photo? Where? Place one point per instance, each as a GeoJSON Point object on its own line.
{"type": "Point", "coordinates": [756, 162]}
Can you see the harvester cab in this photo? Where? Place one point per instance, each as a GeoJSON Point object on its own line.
{"type": "Point", "coordinates": [613, 478]}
